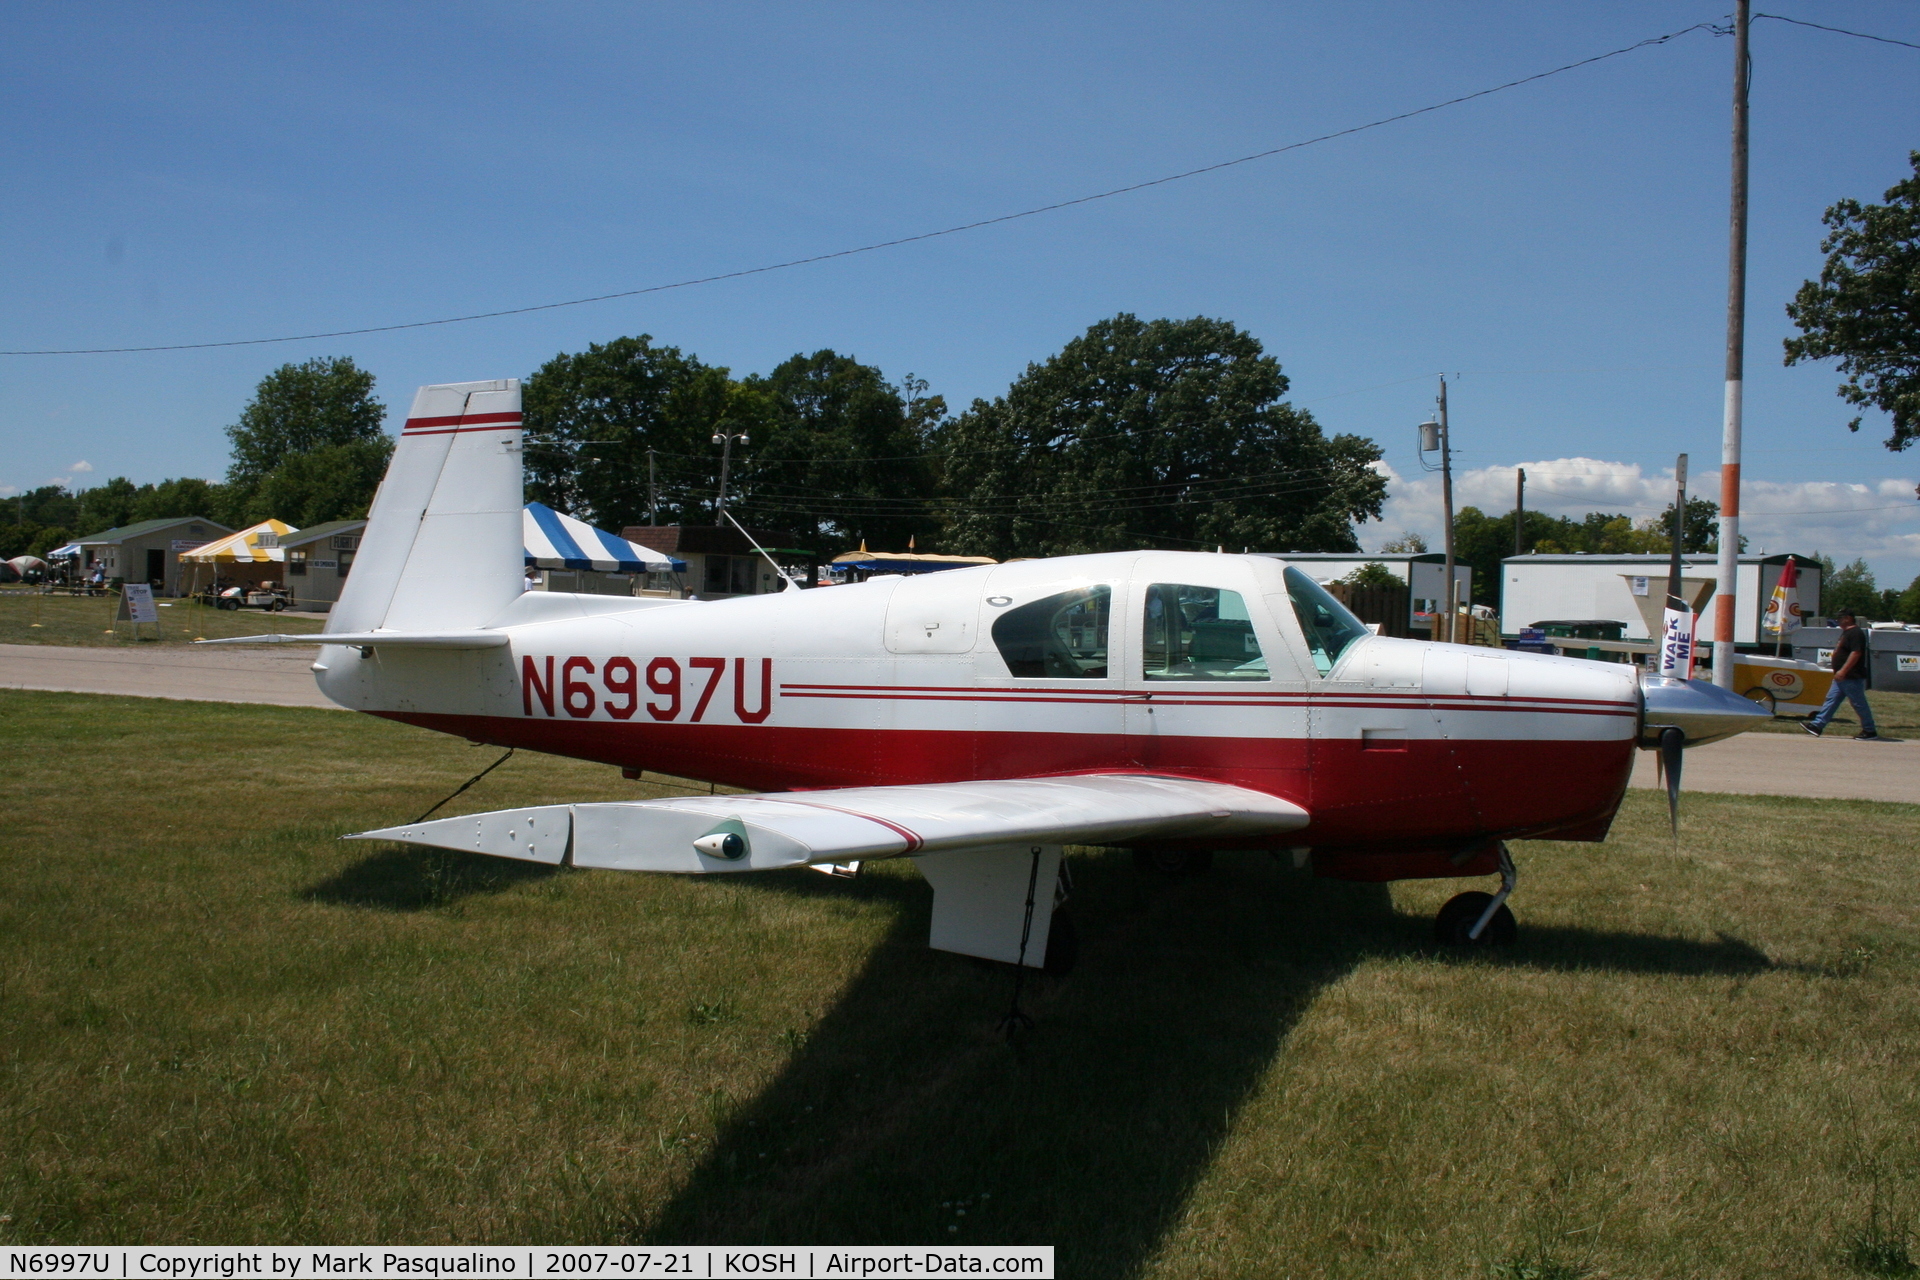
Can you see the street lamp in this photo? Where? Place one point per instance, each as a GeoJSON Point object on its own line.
{"type": "Point", "coordinates": [725, 439]}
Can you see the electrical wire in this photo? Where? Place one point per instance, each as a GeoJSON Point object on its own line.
{"type": "Point", "coordinates": [1858, 35]}
{"type": "Point", "coordinates": [902, 240]}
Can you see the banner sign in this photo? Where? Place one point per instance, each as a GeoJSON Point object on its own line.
{"type": "Point", "coordinates": [1676, 644]}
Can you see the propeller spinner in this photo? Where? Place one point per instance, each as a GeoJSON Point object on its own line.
{"type": "Point", "coordinates": [1676, 714]}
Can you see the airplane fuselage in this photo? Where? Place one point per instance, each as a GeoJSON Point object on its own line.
{"type": "Point", "coordinates": [1407, 754]}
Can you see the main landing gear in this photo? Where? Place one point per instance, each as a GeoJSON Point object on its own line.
{"type": "Point", "coordinates": [1474, 920]}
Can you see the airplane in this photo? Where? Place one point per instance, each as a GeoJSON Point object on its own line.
{"type": "Point", "coordinates": [976, 720]}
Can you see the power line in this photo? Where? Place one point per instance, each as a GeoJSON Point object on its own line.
{"type": "Point", "coordinates": [1858, 35]}
{"type": "Point", "coordinates": [895, 243]}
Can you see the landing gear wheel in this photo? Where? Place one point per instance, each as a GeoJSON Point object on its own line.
{"type": "Point", "coordinates": [1763, 698]}
{"type": "Point", "coordinates": [1063, 946]}
{"type": "Point", "coordinates": [1462, 912]}
{"type": "Point", "coordinates": [1174, 862]}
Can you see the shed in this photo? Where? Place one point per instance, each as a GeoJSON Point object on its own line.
{"type": "Point", "coordinates": [720, 560]}
{"type": "Point", "coordinates": [318, 560]}
{"type": "Point", "coordinates": [149, 551]}
{"type": "Point", "coordinates": [1622, 588]}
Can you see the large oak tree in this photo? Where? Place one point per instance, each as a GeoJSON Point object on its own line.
{"type": "Point", "coordinates": [1864, 310]}
{"type": "Point", "coordinates": [1161, 433]}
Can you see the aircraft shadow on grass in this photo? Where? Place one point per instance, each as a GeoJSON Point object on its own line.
{"type": "Point", "coordinates": [1090, 1131]}
{"type": "Point", "coordinates": [406, 878]}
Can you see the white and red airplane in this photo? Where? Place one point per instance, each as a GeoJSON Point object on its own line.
{"type": "Point", "coordinates": [975, 720]}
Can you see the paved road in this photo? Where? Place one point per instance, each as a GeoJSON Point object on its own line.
{"type": "Point", "coordinates": [226, 673]}
{"type": "Point", "coordinates": [1793, 764]}
{"type": "Point", "coordinates": [1774, 764]}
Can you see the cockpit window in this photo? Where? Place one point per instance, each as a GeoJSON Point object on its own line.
{"type": "Point", "coordinates": [1328, 625]}
{"type": "Point", "coordinates": [1059, 637]}
{"type": "Point", "coordinates": [1199, 633]}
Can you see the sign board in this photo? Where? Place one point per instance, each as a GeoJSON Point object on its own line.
{"type": "Point", "coordinates": [187, 544]}
{"type": "Point", "coordinates": [1637, 585]}
{"type": "Point", "coordinates": [136, 605]}
{"type": "Point", "coordinates": [325, 564]}
{"type": "Point", "coordinates": [1906, 661]}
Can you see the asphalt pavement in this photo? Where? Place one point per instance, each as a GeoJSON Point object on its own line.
{"type": "Point", "coordinates": [1768, 764]}
{"type": "Point", "coordinates": [277, 676]}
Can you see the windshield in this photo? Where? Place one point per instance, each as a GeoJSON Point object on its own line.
{"type": "Point", "coordinates": [1328, 626]}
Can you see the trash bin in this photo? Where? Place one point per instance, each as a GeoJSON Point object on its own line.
{"type": "Point", "coordinates": [1893, 659]}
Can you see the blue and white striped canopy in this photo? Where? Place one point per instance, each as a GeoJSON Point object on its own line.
{"type": "Point", "coordinates": [555, 541]}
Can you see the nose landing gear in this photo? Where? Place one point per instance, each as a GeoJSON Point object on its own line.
{"type": "Point", "coordinates": [1472, 920]}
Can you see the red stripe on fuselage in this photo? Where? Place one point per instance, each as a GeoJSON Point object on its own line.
{"type": "Point", "coordinates": [1426, 790]}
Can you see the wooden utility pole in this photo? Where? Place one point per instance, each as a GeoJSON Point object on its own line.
{"type": "Point", "coordinates": [1446, 497]}
{"type": "Point", "coordinates": [1676, 595]}
{"type": "Point", "coordinates": [1725, 608]}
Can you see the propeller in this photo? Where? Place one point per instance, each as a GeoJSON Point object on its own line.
{"type": "Point", "coordinates": [1673, 751]}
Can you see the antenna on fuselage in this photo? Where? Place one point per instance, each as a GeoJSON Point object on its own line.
{"type": "Point", "coordinates": [778, 572]}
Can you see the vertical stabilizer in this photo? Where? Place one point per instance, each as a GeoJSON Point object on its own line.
{"type": "Point", "coordinates": [442, 547]}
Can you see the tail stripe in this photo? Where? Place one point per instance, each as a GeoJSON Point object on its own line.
{"type": "Point", "coordinates": [456, 424]}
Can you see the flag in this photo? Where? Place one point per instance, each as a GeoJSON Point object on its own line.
{"type": "Point", "coordinates": [1783, 609]}
{"type": "Point", "coordinates": [1676, 644]}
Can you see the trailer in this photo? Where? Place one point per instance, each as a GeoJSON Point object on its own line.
{"type": "Point", "coordinates": [1632, 588]}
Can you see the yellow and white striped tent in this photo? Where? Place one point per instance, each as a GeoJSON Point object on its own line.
{"type": "Point", "coordinates": [243, 547]}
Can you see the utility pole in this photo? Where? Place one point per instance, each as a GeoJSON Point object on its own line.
{"type": "Point", "coordinates": [653, 493]}
{"type": "Point", "coordinates": [1676, 594]}
{"type": "Point", "coordinates": [1519, 509]}
{"type": "Point", "coordinates": [1433, 435]}
{"type": "Point", "coordinates": [1725, 608]}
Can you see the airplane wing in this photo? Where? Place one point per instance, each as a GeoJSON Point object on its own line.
{"type": "Point", "coordinates": [374, 639]}
{"type": "Point", "coordinates": [695, 834]}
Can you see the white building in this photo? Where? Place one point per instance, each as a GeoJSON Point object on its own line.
{"type": "Point", "coordinates": [1631, 589]}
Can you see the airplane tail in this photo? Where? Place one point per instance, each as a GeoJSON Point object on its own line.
{"type": "Point", "coordinates": [443, 547]}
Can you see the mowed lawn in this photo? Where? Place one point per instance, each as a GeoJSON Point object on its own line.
{"type": "Point", "coordinates": [28, 617]}
{"type": "Point", "coordinates": [219, 1023]}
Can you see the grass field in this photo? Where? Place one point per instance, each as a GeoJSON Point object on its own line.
{"type": "Point", "coordinates": [27, 617]}
{"type": "Point", "coordinates": [1895, 714]}
{"type": "Point", "coordinates": [220, 1024]}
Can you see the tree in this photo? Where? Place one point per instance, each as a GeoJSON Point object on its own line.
{"type": "Point", "coordinates": [299, 408]}
{"type": "Point", "coordinates": [1851, 587]}
{"type": "Point", "coordinates": [1864, 311]}
{"type": "Point", "coordinates": [1408, 542]}
{"type": "Point", "coordinates": [1163, 433]}
{"type": "Point", "coordinates": [1907, 608]}
{"type": "Point", "coordinates": [308, 447]}
{"type": "Point", "coordinates": [842, 455]}
{"type": "Point", "coordinates": [592, 417]}
{"type": "Point", "coordinates": [108, 506]}
{"type": "Point", "coordinates": [178, 499]}
{"type": "Point", "coordinates": [1373, 574]}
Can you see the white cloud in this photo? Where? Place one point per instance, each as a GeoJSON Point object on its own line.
{"type": "Point", "coordinates": [81, 466]}
{"type": "Point", "coordinates": [1877, 520]}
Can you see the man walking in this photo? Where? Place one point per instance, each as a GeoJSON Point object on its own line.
{"type": "Point", "coordinates": [1849, 681]}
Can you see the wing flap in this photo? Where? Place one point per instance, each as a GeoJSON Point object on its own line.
{"type": "Point", "coordinates": [689, 834]}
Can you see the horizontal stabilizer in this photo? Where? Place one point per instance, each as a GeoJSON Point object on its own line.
{"type": "Point", "coordinates": [695, 834]}
{"type": "Point", "coordinates": [374, 639]}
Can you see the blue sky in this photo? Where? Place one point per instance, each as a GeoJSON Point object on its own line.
{"type": "Point", "coordinates": [199, 172]}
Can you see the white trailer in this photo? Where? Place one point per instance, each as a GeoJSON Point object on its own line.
{"type": "Point", "coordinates": [1543, 588]}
